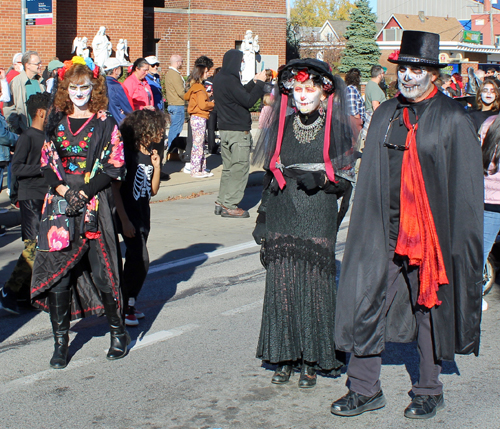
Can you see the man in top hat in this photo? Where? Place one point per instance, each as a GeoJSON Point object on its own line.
{"type": "Point", "coordinates": [412, 267]}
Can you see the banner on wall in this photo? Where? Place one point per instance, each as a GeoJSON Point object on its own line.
{"type": "Point", "coordinates": [39, 12]}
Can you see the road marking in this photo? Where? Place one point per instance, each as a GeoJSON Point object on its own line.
{"type": "Point", "coordinates": [243, 308]}
{"type": "Point", "coordinates": [139, 343]}
{"type": "Point", "coordinates": [159, 336]}
{"type": "Point", "coordinates": [43, 375]}
{"type": "Point", "coordinates": [201, 257]}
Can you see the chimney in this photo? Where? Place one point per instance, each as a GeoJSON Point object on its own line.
{"type": "Point", "coordinates": [487, 5]}
{"type": "Point", "coordinates": [421, 15]}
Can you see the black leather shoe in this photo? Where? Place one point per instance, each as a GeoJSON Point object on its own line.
{"type": "Point", "coordinates": [308, 377]}
{"type": "Point", "coordinates": [282, 374]}
{"type": "Point", "coordinates": [424, 406]}
{"type": "Point", "coordinates": [354, 404]}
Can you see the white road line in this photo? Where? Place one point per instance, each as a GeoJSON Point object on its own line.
{"type": "Point", "coordinates": [43, 375]}
{"type": "Point", "coordinates": [148, 340]}
{"type": "Point", "coordinates": [201, 257]}
{"type": "Point", "coordinates": [243, 308]}
{"type": "Point", "coordinates": [159, 336]}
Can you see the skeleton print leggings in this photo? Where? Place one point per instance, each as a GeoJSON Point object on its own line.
{"type": "Point", "coordinates": [198, 161]}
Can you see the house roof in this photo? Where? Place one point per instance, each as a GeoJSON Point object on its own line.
{"type": "Point", "coordinates": [340, 27]}
{"type": "Point", "coordinates": [449, 29]}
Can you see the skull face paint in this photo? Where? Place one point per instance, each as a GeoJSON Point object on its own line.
{"type": "Point", "coordinates": [413, 82]}
{"type": "Point", "coordinates": [307, 96]}
{"type": "Point", "coordinates": [80, 94]}
{"type": "Point", "coordinates": [488, 94]}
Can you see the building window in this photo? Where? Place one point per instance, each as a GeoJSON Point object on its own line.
{"type": "Point", "coordinates": [497, 40]}
{"type": "Point", "coordinates": [392, 34]}
{"type": "Point", "coordinates": [479, 21]}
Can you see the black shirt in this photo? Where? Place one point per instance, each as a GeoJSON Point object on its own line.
{"type": "Point", "coordinates": [397, 136]}
{"type": "Point", "coordinates": [136, 190]}
{"type": "Point", "coordinates": [479, 116]}
{"type": "Point", "coordinates": [26, 165]}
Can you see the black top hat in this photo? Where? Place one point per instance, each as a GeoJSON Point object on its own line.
{"type": "Point", "coordinates": [419, 48]}
{"type": "Point", "coordinates": [320, 71]}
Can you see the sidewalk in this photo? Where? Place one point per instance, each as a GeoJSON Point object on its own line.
{"type": "Point", "coordinates": [179, 185]}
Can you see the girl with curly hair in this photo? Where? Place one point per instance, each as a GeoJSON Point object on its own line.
{"type": "Point", "coordinates": [140, 129]}
{"type": "Point", "coordinates": [76, 271]}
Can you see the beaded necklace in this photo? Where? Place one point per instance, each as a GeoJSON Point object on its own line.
{"type": "Point", "coordinates": [307, 133]}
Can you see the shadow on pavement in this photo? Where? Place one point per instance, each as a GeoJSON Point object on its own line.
{"type": "Point", "coordinates": [253, 194]}
{"type": "Point", "coordinates": [158, 289]}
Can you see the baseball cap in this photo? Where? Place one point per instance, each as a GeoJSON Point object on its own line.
{"type": "Point", "coordinates": [54, 64]}
{"type": "Point", "coordinates": [152, 60]}
{"type": "Point", "coordinates": [112, 63]}
{"type": "Point", "coordinates": [17, 58]}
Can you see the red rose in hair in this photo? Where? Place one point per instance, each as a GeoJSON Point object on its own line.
{"type": "Point", "coordinates": [302, 76]}
{"type": "Point", "coordinates": [394, 56]}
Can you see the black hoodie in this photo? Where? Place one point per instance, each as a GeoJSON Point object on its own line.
{"type": "Point", "coordinates": [232, 99]}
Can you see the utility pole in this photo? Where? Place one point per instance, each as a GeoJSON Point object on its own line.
{"type": "Point", "coordinates": [492, 34]}
{"type": "Point", "coordinates": [23, 26]}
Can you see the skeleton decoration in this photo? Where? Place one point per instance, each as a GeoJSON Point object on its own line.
{"type": "Point", "coordinates": [142, 182]}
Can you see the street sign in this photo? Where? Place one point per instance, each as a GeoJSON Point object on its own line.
{"type": "Point", "coordinates": [471, 37]}
{"type": "Point", "coordinates": [39, 12]}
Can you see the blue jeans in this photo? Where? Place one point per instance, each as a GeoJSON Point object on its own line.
{"type": "Point", "coordinates": [176, 122]}
{"type": "Point", "coordinates": [491, 228]}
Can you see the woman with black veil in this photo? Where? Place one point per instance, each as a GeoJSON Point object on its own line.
{"type": "Point", "coordinates": [308, 156]}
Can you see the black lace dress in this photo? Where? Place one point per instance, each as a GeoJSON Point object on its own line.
{"type": "Point", "coordinates": [299, 252]}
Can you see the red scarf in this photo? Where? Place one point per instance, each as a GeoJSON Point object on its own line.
{"type": "Point", "coordinates": [417, 237]}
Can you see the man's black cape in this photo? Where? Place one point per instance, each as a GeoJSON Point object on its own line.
{"type": "Point", "coordinates": [450, 156]}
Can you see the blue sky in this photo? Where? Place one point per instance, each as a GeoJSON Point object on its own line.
{"type": "Point", "coordinates": [373, 4]}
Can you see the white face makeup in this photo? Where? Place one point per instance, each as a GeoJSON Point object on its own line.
{"type": "Point", "coordinates": [488, 94]}
{"type": "Point", "coordinates": [413, 82]}
{"type": "Point", "coordinates": [80, 94]}
{"type": "Point", "coordinates": [307, 96]}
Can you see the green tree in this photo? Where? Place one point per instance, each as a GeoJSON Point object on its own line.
{"type": "Point", "coordinates": [314, 13]}
{"type": "Point", "coordinates": [361, 50]}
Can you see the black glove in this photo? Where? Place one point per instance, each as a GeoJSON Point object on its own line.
{"type": "Point", "coordinates": [259, 233]}
{"type": "Point", "coordinates": [311, 180]}
{"type": "Point", "coordinates": [76, 201]}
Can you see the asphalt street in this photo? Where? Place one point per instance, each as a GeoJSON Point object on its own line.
{"type": "Point", "coordinates": [192, 360]}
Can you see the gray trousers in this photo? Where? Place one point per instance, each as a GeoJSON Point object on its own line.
{"type": "Point", "coordinates": [364, 371]}
{"type": "Point", "coordinates": [235, 152]}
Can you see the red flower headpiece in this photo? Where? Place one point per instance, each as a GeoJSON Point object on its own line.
{"type": "Point", "coordinates": [394, 56]}
{"type": "Point", "coordinates": [302, 76]}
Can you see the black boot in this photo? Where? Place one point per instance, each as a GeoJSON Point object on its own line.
{"type": "Point", "coordinates": [282, 373]}
{"type": "Point", "coordinates": [60, 316]}
{"type": "Point", "coordinates": [308, 377]}
{"type": "Point", "coordinates": [119, 336]}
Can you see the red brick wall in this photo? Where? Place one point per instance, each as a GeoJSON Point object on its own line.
{"type": "Point", "coordinates": [239, 5]}
{"type": "Point", "coordinates": [213, 35]}
{"type": "Point", "coordinates": [123, 20]}
{"type": "Point", "coordinates": [38, 38]}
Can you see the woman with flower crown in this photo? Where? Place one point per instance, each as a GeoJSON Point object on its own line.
{"type": "Point", "coordinates": [76, 272]}
{"type": "Point", "coordinates": [308, 156]}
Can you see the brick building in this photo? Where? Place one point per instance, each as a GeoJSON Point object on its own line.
{"type": "Point", "coordinates": [161, 27]}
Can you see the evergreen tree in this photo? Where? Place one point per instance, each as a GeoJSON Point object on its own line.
{"type": "Point", "coordinates": [361, 50]}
